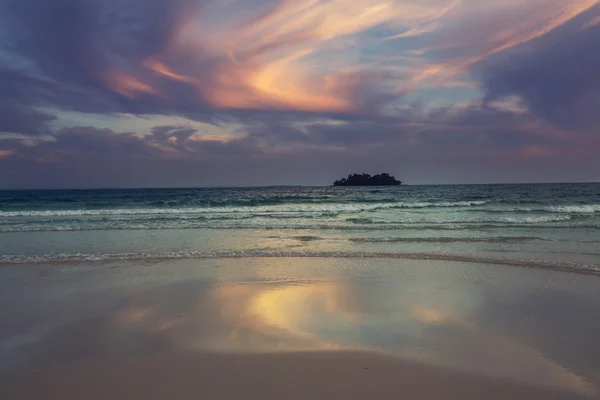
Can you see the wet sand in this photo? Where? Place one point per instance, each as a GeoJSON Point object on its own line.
{"type": "Point", "coordinates": [297, 328]}
{"type": "Point", "coordinates": [319, 375]}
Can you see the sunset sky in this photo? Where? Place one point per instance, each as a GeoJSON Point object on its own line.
{"type": "Point", "coordinates": [175, 93]}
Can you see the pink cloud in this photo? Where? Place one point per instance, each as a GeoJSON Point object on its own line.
{"type": "Point", "coordinates": [6, 153]}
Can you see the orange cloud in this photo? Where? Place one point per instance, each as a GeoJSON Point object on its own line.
{"type": "Point", "coordinates": [542, 23]}
{"type": "Point", "coordinates": [309, 55]}
{"type": "Point", "coordinates": [282, 84]}
{"type": "Point", "coordinates": [6, 153]}
{"type": "Point", "coordinates": [309, 27]}
{"type": "Point", "coordinates": [275, 60]}
{"type": "Point", "coordinates": [127, 85]}
{"type": "Point", "coordinates": [215, 137]}
{"type": "Point", "coordinates": [166, 71]}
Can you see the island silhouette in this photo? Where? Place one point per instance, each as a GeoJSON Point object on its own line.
{"type": "Point", "coordinates": [363, 179]}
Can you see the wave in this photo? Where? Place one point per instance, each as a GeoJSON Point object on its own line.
{"type": "Point", "coordinates": [331, 209]}
{"type": "Point", "coordinates": [536, 219]}
{"type": "Point", "coordinates": [155, 221]}
{"type": "Point", "coordinates": [251, 201]}
{"type": "Point", "coordinates": [496, 239]}
{"type": "Point", "coordinates": [467, 219]}
{"type": "Point", "coordinates": [322, 208]}
{"type": "Point", "coordinates": [560, 209]}
{"type": "Point", "coordinates": [319, 226]}
{"type": "Point", "coordinates": [113, 257]}
{"type": "Point", "coordinates": [583, 209]}
{"type": "Point", "coordinates": [164, 201]}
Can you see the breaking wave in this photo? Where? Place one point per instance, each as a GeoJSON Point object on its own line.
{"type": "Point", "coordinates": [350, 207]}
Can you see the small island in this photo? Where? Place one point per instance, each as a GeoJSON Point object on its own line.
{"type": "Point", "coordinates": [384, 179]}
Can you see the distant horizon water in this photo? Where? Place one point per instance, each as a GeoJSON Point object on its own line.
{"type": "Point", "coordinates": [192, 187]}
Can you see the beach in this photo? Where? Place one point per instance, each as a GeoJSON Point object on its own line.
{"type": "Point", "coordinates": [455, 292]}
{"type": "Point", "coordinates": [287, 199]}
{"type": "Point", "coordinates": [291, 376]}
{"type": "Point", "coordinates": [298, 328]}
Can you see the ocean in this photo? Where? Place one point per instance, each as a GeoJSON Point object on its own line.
{"type": "Point", "coordinates": [553, 226]}
{"type": "Point", "coordinates": [486, 281]}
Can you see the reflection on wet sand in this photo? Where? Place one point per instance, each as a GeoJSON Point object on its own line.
{"type": "Point", "coordinates": [243, 317]}
{"type": "Point", "coordinates": [326, 315]}
{"type": "Point", "coordinates": [445, 323]}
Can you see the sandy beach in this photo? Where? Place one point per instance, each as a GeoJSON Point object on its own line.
{"type": "Point", "coordinates": [297, 328]}
{"type": "Point", "coordinates": [318, 375]}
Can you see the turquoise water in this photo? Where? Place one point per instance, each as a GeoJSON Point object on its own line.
{"type": "Point", "coordinates": [544, 225]}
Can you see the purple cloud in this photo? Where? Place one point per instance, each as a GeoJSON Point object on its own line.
{"type": "Point", "coordinates": [23, 120]}
{"type": "Point", "coordinates": [558, 78]}
{"type": "Point", "coordinates": [325, 84]}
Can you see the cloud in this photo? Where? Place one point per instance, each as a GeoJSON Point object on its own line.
{"type": "Point", "coordinates": [84, 55]}
{"type": "Point", "coordinates": [23, 120]}
{"type": "Point", "coordinates": [448, 143]}
{"type": "Point", "coordinates": [454, 81]}
{"type": "Point", "coordinates": [558, 78]}
{"type": "Point", "coordinates": [192, 57]}
{"type": "Point", "coordinates": [170, 133]}
{"type": "Point", "coordinates": [134, 56]}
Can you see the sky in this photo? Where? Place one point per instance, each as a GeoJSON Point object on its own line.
{"type": "Point", "coordinates": [186, 93]}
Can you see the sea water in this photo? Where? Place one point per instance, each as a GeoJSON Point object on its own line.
{"type": "Point", "coordinates": [536, 225]}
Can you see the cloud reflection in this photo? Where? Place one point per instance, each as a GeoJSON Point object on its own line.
{"type": "Point", "coordinates": [422, 323]}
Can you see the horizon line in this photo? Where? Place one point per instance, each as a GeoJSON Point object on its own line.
{"type": "Point", "coordinates": [283, 186]}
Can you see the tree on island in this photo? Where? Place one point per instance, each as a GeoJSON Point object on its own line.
{"type": "Point", "coordinates": [363, 179]}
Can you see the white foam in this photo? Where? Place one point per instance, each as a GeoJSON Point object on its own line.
{"type": "Point", "coordinates": [535, 219]}
{"type": "Point", "coordinates": [587, 208]}
{"type": "Point", "coordinates": [314, 208]}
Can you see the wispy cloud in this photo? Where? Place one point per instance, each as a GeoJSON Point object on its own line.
{"type": "Point", "coordinates": [481, 77]}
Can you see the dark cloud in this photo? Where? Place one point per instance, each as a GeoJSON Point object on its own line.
{"type": "Point", "coordinates": [61, 37]}
{"type": "Point", "coordinates": [74, 46]}
{"type": "Point", "coordinates": [558, 76]}
{"type": "Point", "coordinates": [23, 120]}
{"type": "Point", "coordinates": [448, 127]}
{"type": "Point", "coordinates": [79, 144]}
{"type": "Point", "coordinates": [174, 133]}
{"type": "Point", "coordinates": [88, 157]}
{"type": "Point", "coordinates": [77, 40]}
{"type": "Point", "coordinates": [448, 144]}
{"type": "Point", "coordinates": [24, 89]}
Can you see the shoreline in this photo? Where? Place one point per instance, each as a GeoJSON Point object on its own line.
{"type": "Point", "coordinates": [244, 254]}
